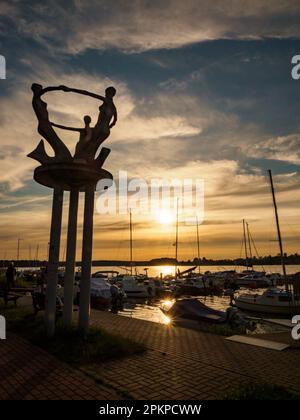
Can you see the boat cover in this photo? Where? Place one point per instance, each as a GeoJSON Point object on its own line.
{"type": "Point", "coordinates": [196, 310]}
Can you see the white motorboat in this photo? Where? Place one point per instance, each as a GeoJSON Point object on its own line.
{"type": "Point", "coordinates": [138, 286]}
{"type": "Point", "coordinates": [193, 286]}
{"type": "Point", "coordinates": [198, 285]}
{"type": "Point", "coordinates": [272, 301]}
{"type": "Point", "coordinates": [106, 274]}
{"type": "Point", "coordinates": [254, 279]}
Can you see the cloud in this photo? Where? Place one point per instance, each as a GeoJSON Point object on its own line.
{"type": "Point", "coordinates": [78, 25]}
{"type": "Point", "coordinates": [163, 118]}
{"type": "Point", "coordinates": [284, 148]}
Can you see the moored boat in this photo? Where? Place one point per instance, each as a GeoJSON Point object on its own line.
{"type": "Point", "coordinates": [272, 301]}
{"type": "Point", "coordinates": [193, 309]}
{"type": "Point", "coordinates": [138, 286]}
{"type": "Point", "coordinates": [254, 280]}
{"type": "Point", "coordinates": [191, 313]}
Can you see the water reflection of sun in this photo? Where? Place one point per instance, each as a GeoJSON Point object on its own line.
{"type": "Point", "coordinates": [167, 303]}
{"type": "Point", "coordinates": [166, 320]}
{"type": "Point", "coordinates": [166, 270]}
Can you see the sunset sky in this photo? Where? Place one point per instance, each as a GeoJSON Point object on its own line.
{"type": "Point", "coordinates": [204, 91]}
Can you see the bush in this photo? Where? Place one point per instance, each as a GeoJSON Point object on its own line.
{"type": "Point", "coordinates": [69, 344]}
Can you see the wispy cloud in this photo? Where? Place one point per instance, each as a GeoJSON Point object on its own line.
{"type": "Point", "coordinates": [140, 26]}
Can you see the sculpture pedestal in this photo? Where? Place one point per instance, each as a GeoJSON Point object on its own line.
{"type": "Point", "coordinates": [68, 176]}
{"type": "Point", "coordinates": [70, 258]}
{"type": "Point", "coordinates": [52, 269]}
{"type": "Point", "coordinates": [86, 265]}
{"type": "Point", "coordinates": [74, 177]}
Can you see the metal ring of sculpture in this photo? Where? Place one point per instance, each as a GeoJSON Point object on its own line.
{"type": "Point", "coordinates": [63, 169]}
{"type": "Point", "coordinates": [90, 137]}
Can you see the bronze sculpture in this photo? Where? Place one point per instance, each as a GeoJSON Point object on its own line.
{"type": "Point", "coordinates": [44, 125]}
{"type": "Point", "coordinates": [90, 138]}
{"type": "Point", "coordinates": [85, 136]}
{"type": "Point", "coordinates": [107, 112]}
{"type": "Point", "coordinates": [62, 172]}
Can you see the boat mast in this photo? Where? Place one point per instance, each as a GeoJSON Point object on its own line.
{"type": "Point", "coordinates": [18, 249]}
{"type": "Point", "coordinates": [176, 241]}
{"type": "Point", "coordinates": [278, 228]}
{"type": "Point", "coordinates": [37, 254]}
{"type": "Point", "coordinates": [198, 246]}
{"type": "Point", "coordinates": [249, 244]}
{"type": "Point", "coordinates": [130, 221]}
{"type": "Point", "coordinates": [245, 243]}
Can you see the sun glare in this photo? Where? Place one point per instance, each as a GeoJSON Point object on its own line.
{"type": "Point", "coordinates": [167, 320]}
{"type": "Point", "coordinates": [166, 270]}
{"type": "Point", "coordinates": [165, 217]}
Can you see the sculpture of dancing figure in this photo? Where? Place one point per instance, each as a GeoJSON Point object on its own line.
{"type": "Point", "coordinates": [85, 136]}
{"type": "Point", "coordinates": [44, 126]}
{"type": "Point", "coordinates": [107, 113]}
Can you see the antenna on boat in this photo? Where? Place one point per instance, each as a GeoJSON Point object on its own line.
{"type": "Point", "coordinates": [176, 241]}
{"type": "Point", "coordinates": [249, 244]}
{"type": "Point", "coordinates": [245, 243]}
{"type": "Point", "coordinates": [198, 245]}
{"type": "Point", "coordinates": [278, 229]}
{"type": "Point", "coordinates": [37, 254]}
{"type": "Point", "coordinates": [130, 221]}
{"type": "Point", "coordinates": [18, 248]}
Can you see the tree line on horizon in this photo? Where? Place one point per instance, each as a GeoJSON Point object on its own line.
{"type": "Point", "coordinates": [264, 260]}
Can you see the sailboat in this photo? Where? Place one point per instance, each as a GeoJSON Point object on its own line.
{"type": "Point", "coordinates": [274, 300]}
{"type": "Point", "coordinates": [136, 286]}
{"type": "Point", "coordinates": [195, 284]}
{"type": "Point", "coordinates": [250, 277]}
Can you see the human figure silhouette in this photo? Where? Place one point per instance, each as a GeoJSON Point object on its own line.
{"type": "Point", "coordinates": [85, 136]}
{"type": "Point", "coordinates": [44, 125]}
{"type": "Point", "coordinates": [107, 117]}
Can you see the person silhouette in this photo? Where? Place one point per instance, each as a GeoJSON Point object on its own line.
{"type": "Point", "coordinates": [107, 117]}
{"type": "Point", "coordinates": [45, 128]}
{"type": "Point", "coordinates": [85, 136]}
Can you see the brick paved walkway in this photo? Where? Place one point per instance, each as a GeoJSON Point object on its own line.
{"type": "Point", "coordinates": [185, 363]}
{"type": "Point", "coordinates": [28, 372]}
{"type": "Point", "coordinates": [179, 364]}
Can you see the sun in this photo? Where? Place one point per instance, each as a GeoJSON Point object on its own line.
{"type": "Point", "coordinates": [165, 217]}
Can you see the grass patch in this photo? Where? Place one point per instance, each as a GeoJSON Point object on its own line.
{"type": "Point", "coordinates": [19, 282]}
{"type": "Point", "coordinates": [69, 345]}
{"type": "Point", "coordinates": [261, 391]}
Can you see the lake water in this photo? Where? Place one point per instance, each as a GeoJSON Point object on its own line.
{"type": "Point", "coordinates": [155, 271]}
{"type": "Point", "coordinates": [149, 309]}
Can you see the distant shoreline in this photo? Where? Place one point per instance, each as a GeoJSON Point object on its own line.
{"type": "Point", "coordinates": [162, 262]}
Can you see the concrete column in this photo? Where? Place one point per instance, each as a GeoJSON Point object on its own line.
{"type": "Point", "coordinates": [87, 243]}
{"type": "Point", "coordinates": [70, 258]}
{"type": "Point", "coordinates": [52, 270]}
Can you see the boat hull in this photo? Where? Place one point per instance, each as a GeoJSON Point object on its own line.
{"type": "Point", "coordinates": [267, 309]}
{"type": "Point", "coordinates": [137, 294]}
